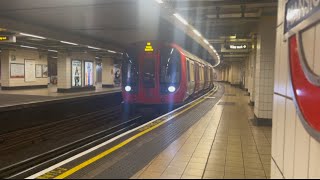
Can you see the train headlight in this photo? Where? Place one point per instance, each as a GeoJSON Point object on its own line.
{"type": "Point", "coordinates": [171, 89]}
{"type": "Point", "coordinates": [128, 88]}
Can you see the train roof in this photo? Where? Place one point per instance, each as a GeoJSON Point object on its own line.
{"type": "Point", "coordinates": [195, 58]}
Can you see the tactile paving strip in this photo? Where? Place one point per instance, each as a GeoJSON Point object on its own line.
{"type": "Point", "coordinates": [142, 150]}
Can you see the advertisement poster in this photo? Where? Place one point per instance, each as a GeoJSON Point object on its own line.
{"type": "Point", "coordinates": [16, 70]}
{"type": "Point", "coordinates": [30, 68]}
{"type": "Point", "coordinates": [76, 73]}
{"type": "Point", "coordinates": [117, 74]}
{"type": "Point", "coordinates": [44, 71]}
{"type": "Point", "coordinates": [38, 71]}
{"type": "Point", "coordinates": [88, 72]}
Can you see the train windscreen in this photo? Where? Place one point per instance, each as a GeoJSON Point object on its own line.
{"type": "Point", "coordinates": [149, 72]}
{"type": "Point", "coordinates": [170, 69]}
{"type": "Point", "coordinates": [130, 69]}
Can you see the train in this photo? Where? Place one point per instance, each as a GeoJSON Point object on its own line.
{"type": "Point", "coordinates": [157, 73]}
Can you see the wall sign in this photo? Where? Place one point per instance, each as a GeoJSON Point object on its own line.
{"type": "Point", "coordinates": [300, 16]}
{"type": "Point", "coordinates": [30, 70]}
{"type": "Point", "coordinates": [88, 73]}
{"type": "Point", "coordinates": [16, 70]}
{"type": "Point", "coordinates": [76, 71]}
{"type": "Point", "coordinates": [44, 71]}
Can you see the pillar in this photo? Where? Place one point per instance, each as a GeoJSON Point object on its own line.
{"type": "Point", "coordinates": [264, 74]}
{"type": "Point", "coordinates": [107, 73]}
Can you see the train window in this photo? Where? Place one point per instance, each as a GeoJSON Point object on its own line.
{"type": "Point", "coordinates": [129, 66]}
{"type": "Point", "coordinates": [170, 66]}
{"type": "Point", "coordinates": [192, 72]}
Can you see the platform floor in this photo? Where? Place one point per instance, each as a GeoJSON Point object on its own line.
{"type": "Point", "coordinates": [17, 97]}
{"type": "Point", "coordinates": [210, 138]}
{"type": "Point", "coordinates": [223, 144]}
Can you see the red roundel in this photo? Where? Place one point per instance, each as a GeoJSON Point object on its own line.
{"type": "Point", "coordinates": [307, 93]}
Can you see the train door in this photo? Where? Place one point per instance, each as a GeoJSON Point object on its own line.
{"type": "Point", "coordinates": [197, 78]}
{"type": "Point", "coordinates": [191, 77]}
{"type": "Point", "coordinates": [148, 85]}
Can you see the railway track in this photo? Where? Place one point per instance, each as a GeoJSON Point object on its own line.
{"type": "Point", "coordinates": [63, 128]}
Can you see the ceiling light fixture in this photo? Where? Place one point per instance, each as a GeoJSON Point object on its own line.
{"type": "Point", "coordinates": [197, 33]}
{"type": "Point", "coordinates": [51, 50]}
{"type": "Point", "coordinates": [65, 42]}
{"type": "Point", "coordinates": [91, 47]}
{"type": "Point", "coordinates": [181, 19]}
{"type": "Point", "coordinates": [31, 35]}
{"type": "Point", "coordinates": [206, 41]}
{"type": "Point", "coordinates": [159, 1]}
{"type": "Point", "coordinates": [111, 51]}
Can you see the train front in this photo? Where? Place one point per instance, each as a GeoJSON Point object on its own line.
{"type": "Point", "coordinates": [152, 74]}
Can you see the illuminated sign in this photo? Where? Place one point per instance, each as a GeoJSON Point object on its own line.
{"type": "Point", "coordinates": [9, 39]}
{"type": "Point", "coordinates": [149, 47]}
{"type": "Point", "coordinates": [4, 38]}
{"type": "Point", "coordinates": [238, 46]}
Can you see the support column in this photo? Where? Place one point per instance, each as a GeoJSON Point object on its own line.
{"type": "Point", "coordinates": [107, 73]}
{"type": "Point", "coordinates": [5, 65]}
{"type": "Point", "coordinates": [65, 81]}
{"type": "Point", "coordinates": [264, 75]}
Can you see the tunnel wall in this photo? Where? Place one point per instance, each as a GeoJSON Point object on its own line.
{"type": "Point", "coordinates": [295, 154]}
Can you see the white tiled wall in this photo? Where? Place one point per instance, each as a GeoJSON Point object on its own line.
{"type": "Point", "coordinates": [251, 83]}
{"type": "Point", "coordinates": [264, 71]}
{"type": "Point", "coordinates": [295, 153]}
{"type": "Point", "coordinates": [107, 75]}
{"type": "Point", "coordinates": [235, 73]}
{"type": "Point", "coordinates": [21, 55]}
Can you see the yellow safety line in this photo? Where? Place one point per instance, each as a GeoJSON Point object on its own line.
{"type": "Point", "coordinates": [109, 151]}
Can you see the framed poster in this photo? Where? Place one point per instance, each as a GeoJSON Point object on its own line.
{"type": "Point", "coordinates": [76, 70]}
{"type": "Point", "coordinates": [38, 71]}
{"type": "Point", "coordinates": [88, 73]}
{"type": "Point", "coordinates": [16, 70]}
{"type": "Point", "coordinates": [117, 74]}
{"type": "Point", "coordinates": [30, 70]}
{"type": "Point", "coordinates": [44, 71]}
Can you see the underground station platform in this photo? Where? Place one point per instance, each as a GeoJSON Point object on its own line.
{"type": "Point", "coordinates": [205, 138]}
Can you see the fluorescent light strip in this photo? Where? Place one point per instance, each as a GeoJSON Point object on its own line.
{"type": "Point", "coordinates": [159, 1]}
{"type": "Point", "coordinates": [91, 47]}
{"type": "Point", "coordinates": [31, 35]}
{"type": "Point", "coordinates": [52, 50]}
{"type": "Point", "coordinates": [197, 33]}
{"type": "Point", "coordinates": [65, 42]}
{"type": "Point", "coordinates": [30, 47]}
{"type": "Point", "coordinates": [111, 51]}
{"type": "Point", "coordinates": [180, 18]}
